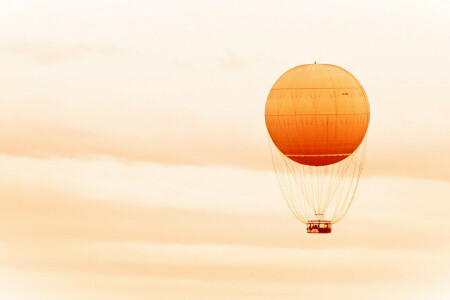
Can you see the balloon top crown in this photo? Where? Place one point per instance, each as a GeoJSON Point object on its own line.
{"type": "Point", "coordinates": [318, 76]}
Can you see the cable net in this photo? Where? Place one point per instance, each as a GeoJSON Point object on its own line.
{"type": "Point", "coordinates": [319, 193]}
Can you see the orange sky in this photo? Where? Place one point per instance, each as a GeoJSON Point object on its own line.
{"type": "Point", "coordinates": [135, 162]}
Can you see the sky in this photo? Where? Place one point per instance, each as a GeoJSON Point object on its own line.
{"type": "Point", "coordinates": [135, 159]}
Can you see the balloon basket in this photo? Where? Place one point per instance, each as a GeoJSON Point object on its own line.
{"type": "Point", "coordinates": [318, 227]}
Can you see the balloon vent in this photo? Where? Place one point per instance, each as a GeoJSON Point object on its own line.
{"type": "Point", "coordinates": [318, 227]}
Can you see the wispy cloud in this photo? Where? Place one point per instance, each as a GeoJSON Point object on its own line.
{"type": "Point", "coordinates": [231, 61]}
{"type": "Point", "coordinates": [46, 229]}
{"type": "Point", "coordinates": [177, 138]}
{"type": "Point", "coordinates": [54, 52]}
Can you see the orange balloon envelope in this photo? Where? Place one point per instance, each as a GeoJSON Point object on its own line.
{"type": "Point", "coordinates": [317, 114]}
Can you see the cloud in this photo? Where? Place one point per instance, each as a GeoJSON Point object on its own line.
{"type": "Point", "coordinates": [231, 61]}
{"type": "Point", "coordinates": [53, 52]}
{"type": "Point", "coordinates": [57, 234]}
{"type": "Point", "coordinates": [181, 138]}
{"type": "Point", "coordinates": [82, 221]}
{"type": "Point", "coordinates": [197, 205]}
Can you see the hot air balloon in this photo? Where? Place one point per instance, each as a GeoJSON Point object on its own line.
{"type": "Point", "coordinates": [317, 117]}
